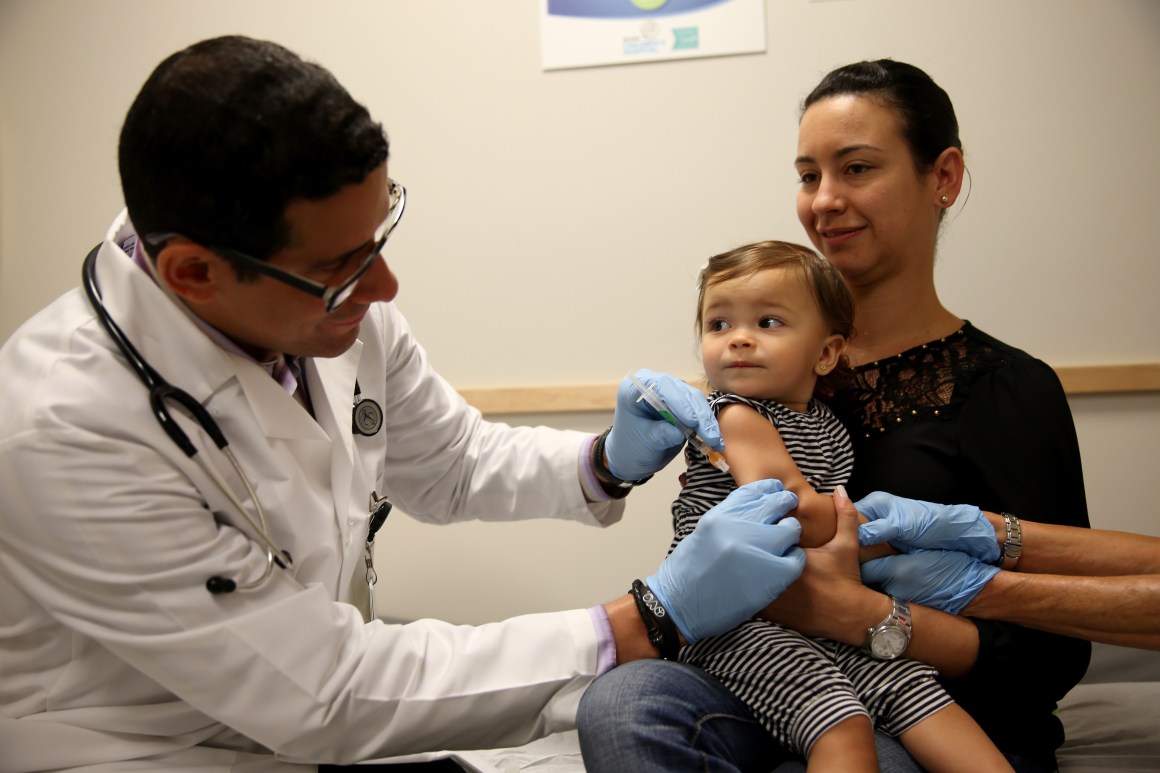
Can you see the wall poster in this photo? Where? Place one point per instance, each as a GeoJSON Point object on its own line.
{"type": "Point", "coordinates": [588, 33]}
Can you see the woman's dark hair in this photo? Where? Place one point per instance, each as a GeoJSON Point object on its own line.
{"type": "Point", "coordinates": [226, 133]}
{"type": "Point", "coordinates": [924, 110]}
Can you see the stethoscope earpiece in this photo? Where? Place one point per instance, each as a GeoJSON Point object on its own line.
{"type": "Point", "coordinates": [218, 585]}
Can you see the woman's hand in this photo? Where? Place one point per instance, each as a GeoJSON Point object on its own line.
{"type": "Point", "coordinates": [829, 598]}
{"type": "Point", "coordinates": [830, 601]}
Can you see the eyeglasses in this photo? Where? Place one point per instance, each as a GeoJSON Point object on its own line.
{"type": "Point", "coordinates": [332, 296]}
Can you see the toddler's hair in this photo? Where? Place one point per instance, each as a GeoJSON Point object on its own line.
{"type": "Point", "coordinates": [830, 291]}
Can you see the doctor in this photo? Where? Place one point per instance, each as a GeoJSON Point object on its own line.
{"type": "Point", "coordinates": [171, 604]}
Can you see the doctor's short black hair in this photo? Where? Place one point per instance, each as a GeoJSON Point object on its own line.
{"type": "Point", "coordinates": [226, 133]}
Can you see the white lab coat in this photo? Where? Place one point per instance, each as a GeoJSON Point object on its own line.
{"type": "Point", "coordinates": [112, 650]}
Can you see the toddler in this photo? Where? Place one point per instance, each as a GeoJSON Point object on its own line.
{"type": "Point", "coordinates": [773, 318]}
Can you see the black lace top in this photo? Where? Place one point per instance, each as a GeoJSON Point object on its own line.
{"type": "Point", "coordinates": [970, 419]}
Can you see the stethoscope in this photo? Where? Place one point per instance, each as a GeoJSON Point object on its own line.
{"type": "Point", "coordinates": [367, 420]}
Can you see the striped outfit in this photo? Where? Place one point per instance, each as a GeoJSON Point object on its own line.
{"type": "Point", "coordinates": [799, 687]}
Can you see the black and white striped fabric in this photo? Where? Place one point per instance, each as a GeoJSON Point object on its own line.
{"type": "Point", "coordinates": [796, 686]}
{"type": "Point", "coordinates": [817, 441]}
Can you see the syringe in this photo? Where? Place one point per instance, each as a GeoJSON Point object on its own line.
{"type": "Point", "coordinates": [716, 458]}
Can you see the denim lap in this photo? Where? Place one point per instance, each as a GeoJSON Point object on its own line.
{"type": "Point", "coordinates": [656, 715]}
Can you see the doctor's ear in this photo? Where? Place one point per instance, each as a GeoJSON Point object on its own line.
{"type": "Point", "coordinates": [190, 270]}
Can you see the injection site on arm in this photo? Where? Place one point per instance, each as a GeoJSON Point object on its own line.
{"type": "Point", "coordinates": [647, 394]}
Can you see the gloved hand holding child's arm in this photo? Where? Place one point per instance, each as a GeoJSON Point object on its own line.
{"type": "Point", "coordinates": [739, 558]}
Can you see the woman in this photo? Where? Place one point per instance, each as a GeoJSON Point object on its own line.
{"type": "Point", "coordinates": [938, 410]}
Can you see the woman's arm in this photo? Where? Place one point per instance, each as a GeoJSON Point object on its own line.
{"type": "Point", "coordinates": [1053, 549]}
{"type": "Point", "coordinates": [829, 600]}
{"type": "Point", "coordinates": [1085, 583]}
{"type": "Point", "coordinates": [1115, 600]}
{"type": "Point", "coordinates": [1123, 609]}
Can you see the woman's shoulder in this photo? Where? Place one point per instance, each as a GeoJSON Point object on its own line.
{"type": "Point", "coordinates": [989, 344]}
{"type": "Point", "coordinates": [960, 358]}
{"type": "Point", "coordinates": [936, 380]}
{"type": "Point", "coordinates": [989, 356]}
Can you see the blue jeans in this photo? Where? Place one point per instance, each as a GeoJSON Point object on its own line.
{"type": "Point", "coordinates": [656, 715]}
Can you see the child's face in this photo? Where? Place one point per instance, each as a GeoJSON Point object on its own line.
{"type": "Point", "coordinates": [763, 336]}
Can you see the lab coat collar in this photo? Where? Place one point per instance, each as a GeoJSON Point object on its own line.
{"type": "Point", "coordinates": [170, 340]}
{"type": "Point", "coordinates": [154, 322]}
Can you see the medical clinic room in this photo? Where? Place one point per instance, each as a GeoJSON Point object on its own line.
{"type": "Point", "coordinates": [291, 481]}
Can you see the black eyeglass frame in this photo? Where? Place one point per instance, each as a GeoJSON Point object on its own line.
{"type": "Point", "coordinates": [332, 296]}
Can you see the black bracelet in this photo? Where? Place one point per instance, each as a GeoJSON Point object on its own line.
{"type": "Point", "coordinates": [662, 631]}
{"type": "Point", "coordinates": [604, 475]}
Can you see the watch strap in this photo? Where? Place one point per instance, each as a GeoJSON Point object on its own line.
{"type": "Point", "coordinates": [613, 486]}
{"type": "Point", "coordinates": [1013, 544]}
{"type": "Point", "coordinates": [898, 619]}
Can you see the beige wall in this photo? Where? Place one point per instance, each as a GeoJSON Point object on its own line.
{"type": "Point", "coordinates": [556, 220]}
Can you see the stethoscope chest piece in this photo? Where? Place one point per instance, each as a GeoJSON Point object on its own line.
{"type": "Point", "coordinates": [368, 415]}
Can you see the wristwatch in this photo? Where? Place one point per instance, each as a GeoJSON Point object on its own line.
{"type": "Point", "coordinates": [889, 639]}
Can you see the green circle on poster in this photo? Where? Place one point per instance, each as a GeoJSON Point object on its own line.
{"type": "Point", "coordinates": [649, 5]}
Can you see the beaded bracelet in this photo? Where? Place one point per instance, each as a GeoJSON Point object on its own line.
{"type": "Point", "coordinates": [662, 631]}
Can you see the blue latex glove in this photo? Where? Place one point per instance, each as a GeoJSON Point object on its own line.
{"type": "Point", "coordinates": [941, 579]}
{"type": "Point", "coordinates": [641, 442]}
{"type": "Point", "coordinates": [740, 557]}
{"type": "Point", "coordinates": [910, 524]}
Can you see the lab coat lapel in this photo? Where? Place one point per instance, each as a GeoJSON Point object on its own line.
{"type": "Point", "coordinates": [184, 355]}
{"type": "Point", "coordinates": [278, 414]}
{"type": "Point", "coordinates": [160, 330]}
{"type": "Point", "coordinates": [331, 384]}
{"type": "Point", "coordinates": [233, 387]}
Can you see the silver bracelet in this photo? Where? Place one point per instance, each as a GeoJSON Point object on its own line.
{"type": "Point", "coordinates": [1013, 545]}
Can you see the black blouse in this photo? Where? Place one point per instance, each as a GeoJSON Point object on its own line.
{"type": "Point", "coordinates": [969, 419]}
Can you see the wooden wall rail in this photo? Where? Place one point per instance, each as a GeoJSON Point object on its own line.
{"type": "Point", "coordinates": [1077, 380]}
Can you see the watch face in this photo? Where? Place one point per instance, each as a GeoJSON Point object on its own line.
{"type": "Point", "coordinates": [888, 643]}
